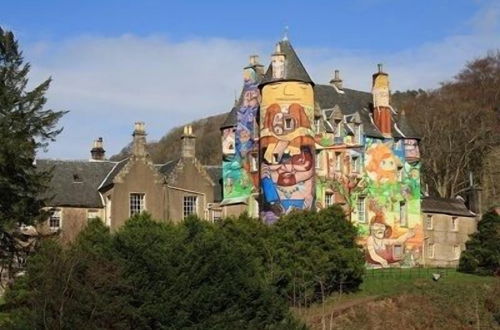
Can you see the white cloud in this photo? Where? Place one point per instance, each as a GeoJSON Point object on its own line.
{"type": "Point", "coordinates": [108, 83]}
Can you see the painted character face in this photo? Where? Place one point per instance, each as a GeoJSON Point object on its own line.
{"type": "Point", "coordinates": [251, 98]}
{"type": "Point", "coordinates": [298, 168]}
{"type": "Point", "coordinates": [378, 230]}
{"type": "Point", "coordinates": [388, 163]}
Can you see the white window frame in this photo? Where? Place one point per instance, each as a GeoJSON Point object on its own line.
{"type": "Point", "coordinates": [142, 203]}
{"type": "Point", "coordinates": [317, 160]}
{"type": "Point", "coordinates": [403, 213]}
{"type": "Point", "coordinates": [254, 164]}
{"type": "Point", "coordinates": [329, 199]}
{"type": "Point", "coordinates": [431, 250]}
{"type": "Point", "coordinates": [454, 223]}
{"type": "Point", "coordinates": [288, 123]}
{"type": "Point", "coordinates": [92, 211]}
{"type": "Point", "coordinates": [429, 222]}
{"type": "Point", "coordinates": [317, 125]}
{"type": "Point", "coordinates": [55, 215]}
{"type": "Point", "coordinates": [338, 127]}
{"type": "Point", "coordinates": [355, 168]}
{"type": "Point", "coordinates": [358, 133]}
{"type": "Point", "coordinates": [361, 209]}
{"type": "Point", "coordinates": [188, 207]}
{"type": "Point", "coordinates": [338, 161]}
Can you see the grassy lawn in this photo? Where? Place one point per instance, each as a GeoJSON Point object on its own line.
{"type": "Point", "coordinates": [410, 298]}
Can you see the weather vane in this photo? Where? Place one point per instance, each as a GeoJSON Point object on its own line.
{"type": "Point", "coordinates": [285, 36]}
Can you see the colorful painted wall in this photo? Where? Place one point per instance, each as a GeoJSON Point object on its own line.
{"type": "Point", "coordinates": [240, 145]}
{"type": "Point", "coordinates": [391, 232]}
{"type": "Point", "coordinates": [286, 148]}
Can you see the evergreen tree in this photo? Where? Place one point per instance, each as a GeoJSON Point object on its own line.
{"type": "Point", "coordinates": [482, 254]}
{"type": "Point", "coordinates": [25, 127]}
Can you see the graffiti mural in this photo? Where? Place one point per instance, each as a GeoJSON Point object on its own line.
{"type": "Point", "coordinates": [392, 231]}
{"type": "Point", "coordinates": [287, 148]}
{"type": "Point", "coordinates": [240, 165]}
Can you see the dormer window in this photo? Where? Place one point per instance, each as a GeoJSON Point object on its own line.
{"type": "Point", "coordinates": [317, 125]}
{"type": "Point", "coordinates": [338, 128]}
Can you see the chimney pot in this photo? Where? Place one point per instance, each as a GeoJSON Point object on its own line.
{"type": "Point", "coordinates": [188, 142]}
{"type": "Point", "coordinates": [97, 152]}
{"type": "Point", "coordinates": [380, 67]}
{"type": "Point", "coordinates": [336, 81]}
{"type": "Point", "coordinates": [139, 141]}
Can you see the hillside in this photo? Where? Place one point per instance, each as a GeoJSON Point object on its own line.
{"type": "Point", "coordinates": [208, 143]}
{"type": "Point", "coordinates": [410, 299]}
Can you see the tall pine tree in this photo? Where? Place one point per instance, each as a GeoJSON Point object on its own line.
{"type": "Point", "coordinates": [25, 127]}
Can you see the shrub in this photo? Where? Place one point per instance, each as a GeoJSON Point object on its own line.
{"type": "Point", "coordinates": [482, 253]}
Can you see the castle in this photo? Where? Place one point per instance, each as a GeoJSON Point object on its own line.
{"type": "Point", "coordinates": [287, 144]}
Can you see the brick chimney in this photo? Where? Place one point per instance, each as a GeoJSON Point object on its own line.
{"type": "Point", "coordinates": [381, 97]}
{"type": "Point", "coordinates": [139, 141]}
{"type": "Point", "coordinates": [336, 81]}
{"type": "Point", "coordinates": [97, 152]}
{"type": "Point", "coordinates": [188, 143]}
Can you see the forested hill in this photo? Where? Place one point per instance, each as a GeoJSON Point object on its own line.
{"type": "Point", "coordinates": [208, 142]}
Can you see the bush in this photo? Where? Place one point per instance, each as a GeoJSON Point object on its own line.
{"type": "Point", "coordinates": [147, 275]}
{"type": "Point", "coordinates": [482, 253]}
{"type": "Point", "coordinates": [315, 254]}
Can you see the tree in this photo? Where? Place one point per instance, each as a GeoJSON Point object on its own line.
{"type": "Point", "coordinates": [25, 127]}
{"type": "Point", "coordinates": [482, 253]}
{"type": "Point", "coordinates": [459, 124]}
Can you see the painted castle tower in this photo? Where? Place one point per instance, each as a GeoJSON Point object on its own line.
{"type": "Point", "coordinates": [291, 144]}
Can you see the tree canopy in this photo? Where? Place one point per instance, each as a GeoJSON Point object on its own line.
{"type": "Point", "coordinates": [26, 126]}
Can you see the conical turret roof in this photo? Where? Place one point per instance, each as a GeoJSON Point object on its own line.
{"type": "Point", "coordinates": [294, 69]}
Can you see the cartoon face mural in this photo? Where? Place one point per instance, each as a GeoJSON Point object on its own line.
{"type": "Point", "coordinates": [239, 173]}
{"type": "Point", "coordinates": [392, 233]}
{"type": "Point", "coordinates": [287, 148]}
{"type": "Point", "coordinates": [411, 149]}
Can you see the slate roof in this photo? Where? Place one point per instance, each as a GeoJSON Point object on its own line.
{"type": "Point", "coordinates": [294, 69]}
{"type": "Point", "coordinates": [404, 126]}
{"type": "Point", "coordinates": [167, 168]}
{"type": "Point", "coordinates": [75, 183]}
{"type": "Point", "coordinates": [215, 173]}
{"type": "Point", "coordinates": [108, 180]}
{"type": "Point", "coordinates": [231, 119]}
{"type": "Point", "coordinates": [445, 206]}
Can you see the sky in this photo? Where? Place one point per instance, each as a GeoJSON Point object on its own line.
{"type": "Point", "coordinates": [170, 62]}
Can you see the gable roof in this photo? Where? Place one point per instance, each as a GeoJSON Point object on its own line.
{"type": "Point", "coordinates": [294, 69]}
{"type": "Point", "coordinates": [75, 183]}
{"type": "Point", "coordinates": [108, 180]}
{"type": "Point", "coordinates": [451, 206]}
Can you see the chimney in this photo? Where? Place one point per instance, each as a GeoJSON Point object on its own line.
{"type": "Point", "coordinates": [188, 142]}
{"type": "Point", "coordinates": [278, 63]}
{"type": "Point", "coordinates": [254, 63]}
{"type": "Point", "coordinates": [97, 152]}
{"type": "Point", "coordinates": [336, 81]}
{"type": "Point", "coordinates": [139, 141]}
{"type": "Point", "coordinates": [381, 109]}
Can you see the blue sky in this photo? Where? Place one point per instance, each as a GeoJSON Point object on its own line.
{"type": "Point", "coordinates": [169, 62]}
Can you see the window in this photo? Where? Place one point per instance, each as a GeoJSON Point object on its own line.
{"type": "Point", "coordinates": [360, 206]}
{"type": "Point", "coordinates": [217, 215]}
{"type": "Point", "coordinates": [317, 161]}
{"type": "Point", "coordinates": [454, 223]}
{"type": "Point", "coordinates": [254, 166]}
{"type": "Point", "coordinates": [431, 253]}
{"type": "Point", "coordinates": [403, 214]}
{"type": "Point", "coordinates": [400, 174]}
{"type": "Point", "coordinates": [136, 203]}
{"type": "Point", "coordinates": [355, 165]}
{"type": "Point", "coordinates": [338, 161]}
{"type": "Point", "coordinates": [92, 214]}
{"type": "Point", "coordinates": [55, 220]}
{"type": "Point", "coordinates": [456, 251]}
{"type": "Point", "coordinates": [288, 123]}
{"type": "Point", "coordinates": [276, 158]}
{"type": "Point", "coordinates": [428, 222]}
{"type": "Point", "coordinates": [329, 199]}
{"type": "Point", "coordinates": [317, 125]}
{"type": "Point", "coordinates": [358, 134]}
{"type": "Point", "coordinates": [190, 203]}
{"type": "Point", "coordinates": [338, 128]}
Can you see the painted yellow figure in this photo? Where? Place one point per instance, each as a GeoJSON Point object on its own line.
{"type": "Point", "coordinates": [381, 248]}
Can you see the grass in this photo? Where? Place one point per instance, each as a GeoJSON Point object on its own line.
{"type": "Point", "coordinates": [409, 298]}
